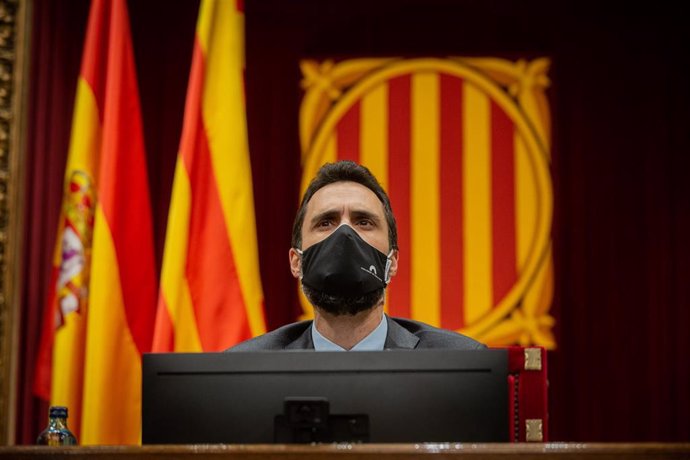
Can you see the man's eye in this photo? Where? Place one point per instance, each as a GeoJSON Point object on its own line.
{"type": "Point", "coordinates": [365, 223]}
{"type": "Point", "coordinates": [324, 223]}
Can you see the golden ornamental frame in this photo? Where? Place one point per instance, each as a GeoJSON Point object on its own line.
{"type": "Point", "coordinates": [521, 86]}
{"type": "Point", "coordinates": [14, 24]}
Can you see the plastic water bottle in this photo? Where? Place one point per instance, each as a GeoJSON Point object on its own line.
{"type": "Point", "coordinates": [57, 433]}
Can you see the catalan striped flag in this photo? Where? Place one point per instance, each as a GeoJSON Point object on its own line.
{"type": "Point", "coordinates": [210, 295]}
{"type": "Point", "coordinates": [452, 179]}
{"type": "Point", "coordinates": [102, 306]}
{"type": "Point", "coordinates": [468, 177]}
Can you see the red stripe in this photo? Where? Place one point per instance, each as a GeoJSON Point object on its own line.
{"type": "Point", "coordinates": [95, 58]}
{"type": "Point", "coordinates": [239, 5]}
{"type": "Point", "coordinates": [211, 271]}
{"type": "Point", "coordinates": [123, 187]}
{"type": "Point", "coordinates": [503, 203]}
{"type": "Point", "coordinates": [452, 234]}
{"type": "Point", "coordinates": [348, 134]}
{"type": "Point", "coordinates": [164, 330]}
{"type": "Point", "coordinates": [399, 152]}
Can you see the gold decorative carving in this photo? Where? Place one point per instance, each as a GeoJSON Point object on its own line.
{"type": "Point", "coordinates": [534, 431]}
{"type": "Point", "coordinates": [13, 46]}
{"type": "Point", "coordinates": [532, 359]}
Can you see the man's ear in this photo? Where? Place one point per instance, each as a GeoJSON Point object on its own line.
{"type": "Point", "coordinates": [394, 263]}
{"type": "Point", "coordinates": [295, 263]}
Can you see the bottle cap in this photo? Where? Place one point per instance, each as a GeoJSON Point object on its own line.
{"type": "Point", "coordinates": [58, 412]}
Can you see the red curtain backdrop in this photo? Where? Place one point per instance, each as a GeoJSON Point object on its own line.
{"type": "Point", "coordinates": [621, 155]}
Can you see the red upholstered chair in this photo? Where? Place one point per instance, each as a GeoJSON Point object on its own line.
{"type": "Point", "coordinates": [527, 387]}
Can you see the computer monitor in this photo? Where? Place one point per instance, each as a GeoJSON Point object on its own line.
{"type": "Point", "coordinates": [393, 396]}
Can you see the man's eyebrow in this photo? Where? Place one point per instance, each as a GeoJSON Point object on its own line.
{"type": "Point", "coordinates": [329, 214]}
{"type": "Point", "coordinates": [366, 214]}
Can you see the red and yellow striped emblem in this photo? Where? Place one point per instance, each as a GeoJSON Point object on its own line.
{"type": "Point", "coordinates": [462, 147]}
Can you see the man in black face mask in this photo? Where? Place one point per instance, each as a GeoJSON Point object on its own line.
{"type": "Point", "coordinates": [344, 252]}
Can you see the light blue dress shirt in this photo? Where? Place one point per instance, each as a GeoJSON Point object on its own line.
{"type": "Point", "coordinates": [373, 342]}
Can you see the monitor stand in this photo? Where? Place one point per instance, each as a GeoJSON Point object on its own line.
{"type": "Point", "coordinates": [308, 420]}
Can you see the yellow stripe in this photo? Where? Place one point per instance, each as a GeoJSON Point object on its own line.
{"type": "Point", "coordinates": [68, 349]}
{"type": "Point", "coordinates": [477, 203]}
{"type": "Point", "coordinates": [425, 201]}
{"type": "Point", "coordinates": [112, 384]}
{"type": "Point", "coordinates": [85, 138]}
{"type": "Point", "coordinates": [225, 122]}
{"type": "Point", "coordinates": [330, 155]}
{"type": "Point", "coordinates": [526, 201]}
{"type": "Point", "coordinates": [374, 137]}
{"type": "Point", "coordinates": [374, 133]}
{"type": "Point", "coordinates": [204, 23]}
{"type": "Point", "coordinates": [313, 162]}
{"type": "Point", "coordinates": [174, 287]}
{"type": "Point", "coordinates": [68, 367]}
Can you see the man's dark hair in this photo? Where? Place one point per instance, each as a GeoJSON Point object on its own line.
{"type": "Point", "coordinates": [340, 172]}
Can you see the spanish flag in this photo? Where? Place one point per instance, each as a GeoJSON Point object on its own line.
{"type": "Point", "coordinates": [211, 295]}
{"type": "Point", "coordinates": [101, 312]}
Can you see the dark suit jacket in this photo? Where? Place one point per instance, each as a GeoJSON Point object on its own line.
{"type": "Point", "coordinates": [402, 334]}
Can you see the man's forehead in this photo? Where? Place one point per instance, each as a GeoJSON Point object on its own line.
{"type": "Point", "coordinates": [344, 193]}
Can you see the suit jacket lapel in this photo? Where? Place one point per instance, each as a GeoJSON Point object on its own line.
{"type": "Point", "coordinates": [303, 342]}
{"type": "Point", "coordinates": [399, 337]}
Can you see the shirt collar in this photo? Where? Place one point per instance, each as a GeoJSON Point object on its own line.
{"type": "Point", "coordinates": [375, 341]}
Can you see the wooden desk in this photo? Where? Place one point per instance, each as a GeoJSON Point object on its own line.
{"type": "Point", "coordinates": [555, 451]}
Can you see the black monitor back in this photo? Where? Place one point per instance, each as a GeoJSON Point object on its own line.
{"type": "Point", "coordinates": [407, 396]}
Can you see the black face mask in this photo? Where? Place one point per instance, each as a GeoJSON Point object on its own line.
{"type": "Point", "coordinates": [345, 265]}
